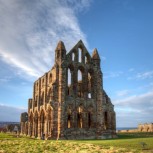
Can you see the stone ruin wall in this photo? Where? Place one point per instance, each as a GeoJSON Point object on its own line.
{"type": "Point", "coordinates": [57, 106]}
{"type": "Point", "coordinates": [147, 127]}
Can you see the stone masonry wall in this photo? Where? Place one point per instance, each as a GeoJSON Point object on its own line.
{"type": "Point", "coordinates": [69, 101]}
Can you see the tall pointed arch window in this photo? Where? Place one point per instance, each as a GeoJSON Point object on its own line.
{"type": "Point", "coordinates": [69, 77]}
{"type": "Point", "coordinates": [50, 120]}
{"type": "Point", "coordinates": [86, 60]}
{"type": "Point", "coordinates": [31, 123]}
{"type": "Point", "coordinates": [80, 93]}
{"type": "Point", "coordinates": [105, 120]}
{"type": "Point", "coordinates": [42, 119]}
{"type": "Point", "coordinates": [43, 83]}
{"type": "Point", "coordinates": [79, 76]}
{"type": "Point", "coordinates": [79, 55]}
{"type": "Point", "coordinates": [36, 124]}
{"type": "Point", "coordinates": [89, 119]}
{"type": "Point", "coordinates": [79, 117]}
{"type": "Point", "coordinates": [90, 116]}
{"type": "Point", "coordinates": [36, 100]}
{"type": "Point", "coordinates": [69, 118]}
{"type": "Point", "coordinates": [50, 78]}
{"type": "Point", "coordinates": [42, 99]}
{"type": "Point", "coordinates": [69, 81]}
{"type": "Point", "coordinates": [73, 56]}
{"type": "Point", "coordinates": [37, 86]}
{"type": "Point", "coordinates": [89, 85]}
{"type": "Point", "coordinates": [49, 94]}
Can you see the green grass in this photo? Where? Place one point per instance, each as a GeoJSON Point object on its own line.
{"type": "Point", "coordinates": [126, 142]}
{"type": "Point", "coordinates": [130, 142]}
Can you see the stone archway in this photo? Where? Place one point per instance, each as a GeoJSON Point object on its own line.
{"type": "Point", "coordinates": [42, 123]}
{"type": "Point", "coordinates": [105, 120]}
{"type": "Point", "coordinates": [69, 117]}
{"type": "Point", "coordinates": [90, 113]}
{"type": "Point", "coordinates": [80, 117]}
{"type": "Point", "coordinates": [31, 124]}
{"type": "Point", "coordinates": [49, 121]}
{"type": "Point", "coordinates": [36, 124]}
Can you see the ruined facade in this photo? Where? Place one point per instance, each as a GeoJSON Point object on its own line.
{"type": "Point", "coordinates": [69, 101]}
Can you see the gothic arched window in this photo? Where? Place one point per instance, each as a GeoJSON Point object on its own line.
{"type": "Point", "coordinates": [73, 56]}
{"type": "Point", "coordinates": [79, 118]}
{"type": "Point", "coordinates": [50, 78]}
{"type": "Point", "coordinates": [36, 124]}
{"type": "Point", "coordinates": [89, 119]}
{"type": "Point", "coordinates": [105, 120]}
{"type": "Point", "coordinates": [42, 120]}
{"type": "Point", "coordinates": [42, 99]}
{"type": "Point", "coordinates": [79, 55]}
{"type": "Point", "coordinates": [69, 116]}
{"type": "Point", "coordinates": [69, 81]}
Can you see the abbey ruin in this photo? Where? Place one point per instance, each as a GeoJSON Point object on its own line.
{"type": "Point", "coordinates": [69, 101]}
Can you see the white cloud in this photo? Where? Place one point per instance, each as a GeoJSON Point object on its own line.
{"type": "Point", "coordinates": [103, 58]}
{"type": "Point", "coordinates": [9, 113]}
{"type": "Point", "coordinates": [142, 76]}
{"type": "Point", "coordinates": [131, 69]}
{"type": "Point", "coordinates": [5, 79]}
{"type": "Point", "coordinates": [122, 93]}
{"type": "Point", "coordinates": [30, 31]}
{"type": "Point", "coordinates": [145, 75]}
{"type": "Point", "coordinates": [134, 109]}
{"type": "Point", "coordinates": [112, 74]}
{"type": "Point", "coordinates": [142, 100]}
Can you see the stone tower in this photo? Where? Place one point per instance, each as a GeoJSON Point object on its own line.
{"type": "Point", "coordinates": [69, 101]}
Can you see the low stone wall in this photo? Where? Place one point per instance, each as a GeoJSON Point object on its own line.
{"type": "Point", "coordinates": [129, 131]}
{"type": "Point", "coordinates": [145, 127]}
{"type": "Point", "coordinates": [141, 128]}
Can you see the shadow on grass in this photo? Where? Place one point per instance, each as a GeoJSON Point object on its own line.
{"type": "Point", "coordinates": [120, 136]}
{"type": "Point", "coordinates": [124, 136]}
{"type": "Point", "coordinates": [135, 135]}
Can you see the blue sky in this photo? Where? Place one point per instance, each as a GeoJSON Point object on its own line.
{"type": "Point", "coordinates": [121, 30]}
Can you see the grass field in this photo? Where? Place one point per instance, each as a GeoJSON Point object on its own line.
{"type": "Point", "coordinates": [125, 143]}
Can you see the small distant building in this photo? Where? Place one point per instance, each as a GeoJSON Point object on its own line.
{"type": "Point", "coordinates": [16, 129]}
{"type": "Point", "coordinates": [147, 127]}
{"type": "Point", "coordinates": [13, 128]}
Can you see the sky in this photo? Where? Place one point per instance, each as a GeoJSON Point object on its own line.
{"type": "Point", "coordinates": [121, 30]}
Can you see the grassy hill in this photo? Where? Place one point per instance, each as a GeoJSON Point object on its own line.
{"type": "Point", "coordinates": [131, 143]}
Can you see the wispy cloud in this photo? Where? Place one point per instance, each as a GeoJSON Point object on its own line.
{"type": "Point", "coordinates": [112, 74]}
{"type": "Point", "coordinates": [122, 93]}
{"type": "Point", "coordinates": [142, 75]}
{"type": "Point", "coordinates": [103, 58]}
{"type": "Point", "coordinates": [145, 75]}
{"type": "Point", "coordinates": [131, 69]}
{"type": "Point", "coordinates": [5, 79]}
{"type": "Point", "coordinates": [30, 31]}
{"type": "Point", "coordinates": [142, 100]}
{"type": "Point", "coordinates": [135, 109]}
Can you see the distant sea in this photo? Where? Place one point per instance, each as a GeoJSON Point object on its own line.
{"type": "Point", "coordinates": [2, 124]}
{"type": "Point", "coordinates": [125, 128]}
